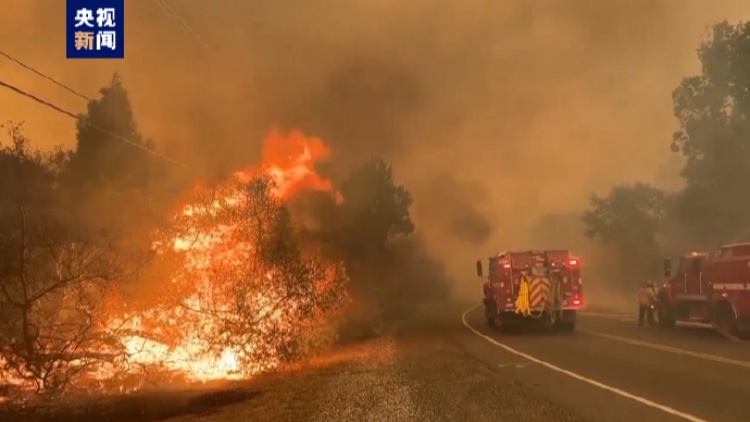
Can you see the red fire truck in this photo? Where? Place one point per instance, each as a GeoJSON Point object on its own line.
{"type": "Point", "coordinates": [533, 285]}
{"type": "Point", "coordinates": [711, 288]}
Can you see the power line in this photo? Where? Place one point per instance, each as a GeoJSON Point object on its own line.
{"type": "Point", "coordinates": [72, 115]}
{"type": "Point", "coordinates": [164, 6]}
{"type": "Point", "coordinates": [49, 78]}
{"type": "Point", "coordinates": [169, 10]}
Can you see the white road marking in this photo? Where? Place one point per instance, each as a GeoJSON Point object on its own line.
{"type": "Point", "coordinates": [597, 384]}
{"type": "Point", "coordinates": [705, 356]}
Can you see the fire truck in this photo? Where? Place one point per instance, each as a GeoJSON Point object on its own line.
{"type": "Point", "coordinates": [710, 288]}
{"type": "Point", "coordinates": [532, 285]}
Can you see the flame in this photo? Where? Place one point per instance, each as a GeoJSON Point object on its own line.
{"type": "Point", "coordinates": [290, 161]}
{"type": "Point", "coordinates": [223, 313]}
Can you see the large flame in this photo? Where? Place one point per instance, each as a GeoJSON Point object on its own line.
{"type": "Point", "coordinates": [290, 162]}
{"type": "Point", "coordinates": [223, 313]}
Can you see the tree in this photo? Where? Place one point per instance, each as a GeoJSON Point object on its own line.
{"type": "Point", "coordinates": [629, 219]}
{"type": "Point", "coordinates": [101, 155]}
{"type": "Point", "coordinates": [240, 285]}
{"type": "Point", "coordinates": [54, 273]}
{"type": "Point", "coordinates": [375, 209]}
{"type": "Point", "coordinates": [372, 232]}
{"type": "Point", "coordinates": [713, 110]}
{"type": "Point", "coordinates": [116, 184]}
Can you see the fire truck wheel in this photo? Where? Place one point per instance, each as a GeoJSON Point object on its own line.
{"type": "Point", "coordinates": [726, 322]}
{"type": "Point", "coordinates": [489, 314]}
{"type": "Point", "coordinates": [491, 322]}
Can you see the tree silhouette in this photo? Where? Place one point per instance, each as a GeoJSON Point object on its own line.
{"type": "Point", "coordinates": [100, 157]}
{"type": "Point", "coordinates": [375, 209]}
{"type": "Point", "coordinates": [629, 219]}
{"type": "Point", "coordinates": [713, 110]}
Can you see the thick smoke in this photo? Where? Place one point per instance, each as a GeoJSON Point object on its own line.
{"type": "Point", "coordinates": [494, 113]}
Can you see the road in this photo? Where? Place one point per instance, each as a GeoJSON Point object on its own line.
{"type": "Point", "coordinates": [611, 370]}
{"type": "Point", "coordinates": [446, 365]}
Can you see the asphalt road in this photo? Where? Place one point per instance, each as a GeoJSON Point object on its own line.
{"type": "Point", "coordinates": [446, 365]}
{"type": "Point", "coordinates": [611, 370]}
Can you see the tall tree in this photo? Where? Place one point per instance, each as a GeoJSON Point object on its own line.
{"type": "Point", "coordinates": [102, 155]}
{"type": "Point", "coordinates": [375, 208]}
{"type": "Point", "coordinates": [628, 220]}
{"type": "Point", "coordinates": [371, 231]}
{"type": "Point", "coordinates": [713, 110]}
{"type": "Point", "coordinates": [109, 172]}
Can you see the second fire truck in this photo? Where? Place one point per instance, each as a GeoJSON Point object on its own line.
{"type": "Point", "coordinates": [710, 288]}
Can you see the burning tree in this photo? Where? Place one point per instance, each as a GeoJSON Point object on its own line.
{"type": "Point", "coordinates": [241, 291]}
{"type": "Point", "coordinates": [242, 296]}
{"type": "Point", "coordinates": [54, 274]}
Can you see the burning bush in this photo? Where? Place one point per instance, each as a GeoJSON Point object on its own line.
{"type": "Point", "coordinates": [238, 295]}
{"type": "Point", "coordinates": [54, 275]}
{"type": "Point", "coordinates": [242, 293]}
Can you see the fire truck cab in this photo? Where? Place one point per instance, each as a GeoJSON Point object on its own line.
{"type": "Point", "coordinates": [711, 288]}
{"type": "Point", "coordinates": [532, 285]}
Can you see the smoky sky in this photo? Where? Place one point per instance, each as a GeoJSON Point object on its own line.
{"type": "Point", "coordinates": [492, 112]}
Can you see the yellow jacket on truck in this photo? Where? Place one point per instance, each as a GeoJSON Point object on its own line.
{"type": "Point", "coordinates": [646, 295]}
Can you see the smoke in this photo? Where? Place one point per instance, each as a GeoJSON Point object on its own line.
{"type": "Point", "coordinates": [494, 113]}
{"type": "Point", "coordinates": [451, 204]}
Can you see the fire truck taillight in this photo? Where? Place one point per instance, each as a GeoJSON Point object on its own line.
{"type": "Point", "coordinates": [573, 262]}
{"type": "Point", "coordinates": [506, 266]}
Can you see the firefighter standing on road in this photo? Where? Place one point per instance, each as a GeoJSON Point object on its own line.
{"type": "Point", "coordinates": [646, 303]}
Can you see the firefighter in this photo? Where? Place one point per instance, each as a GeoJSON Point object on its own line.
{"type": "Point", "coordinates": [646, 303]}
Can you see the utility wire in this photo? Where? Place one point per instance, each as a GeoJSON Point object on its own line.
{"type": "Point", "coordinates": [49, 78]}
{"type": "Point", "coordinates": [164, 6]}
{"type": "Point", "coordinates": [77, 118]}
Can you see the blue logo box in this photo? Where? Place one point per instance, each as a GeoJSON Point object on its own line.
{"type": "Point", "coordinates": [94, 29]}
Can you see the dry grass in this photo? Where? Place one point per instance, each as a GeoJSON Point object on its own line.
{"type": "Point", "coordinates": [284, 395]}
